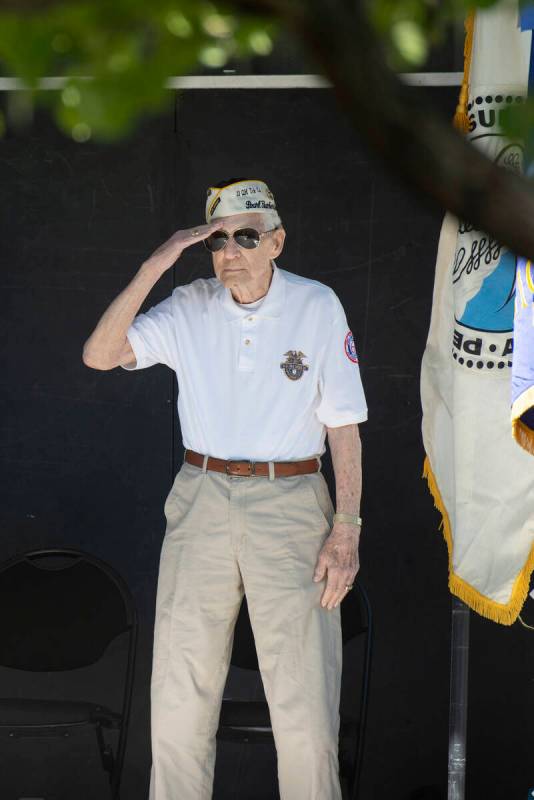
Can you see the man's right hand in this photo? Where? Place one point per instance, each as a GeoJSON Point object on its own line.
{"type": "Point", "coordinates": [166, 254]}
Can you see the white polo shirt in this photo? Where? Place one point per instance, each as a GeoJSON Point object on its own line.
{"type": "Point", "coordinates": [258, 383]}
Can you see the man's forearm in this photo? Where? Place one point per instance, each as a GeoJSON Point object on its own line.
{"type": "Point", "coordinates": [105, 345]}
{"type": "Point", "coordinates": [107, 340]}
{"type": "Point", "coordinates": [346, 450]}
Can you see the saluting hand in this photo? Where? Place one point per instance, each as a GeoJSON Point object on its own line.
{"type": "Point", "coordinates": [167, 253]}
{"type": "Point", "coordinates": [340, 560]}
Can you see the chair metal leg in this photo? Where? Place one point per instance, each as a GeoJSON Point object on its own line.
{"type": "Point", "coordinates": [355, 782]}
{"type": "Point", "coordinates": [458, 699]}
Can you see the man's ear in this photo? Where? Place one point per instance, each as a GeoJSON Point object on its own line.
{"type": "Point", "coordinates": [278, 238]}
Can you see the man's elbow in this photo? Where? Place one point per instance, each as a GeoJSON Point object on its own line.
{"type": "Point", "coordinates": [94, 363]}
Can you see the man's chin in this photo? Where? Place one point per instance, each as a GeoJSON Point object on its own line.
{"type": "Point", "coordinates": [230, 275]}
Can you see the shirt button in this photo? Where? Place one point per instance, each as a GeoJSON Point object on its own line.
{"type": "Point", "coordinates": [247, 341]}
{"type": "Point", "coordinates": [250, 319]}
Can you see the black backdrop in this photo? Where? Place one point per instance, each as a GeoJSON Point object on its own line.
{"type": "Point", "coordinates": [90, 456]}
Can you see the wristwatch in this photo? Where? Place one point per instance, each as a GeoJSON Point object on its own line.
{"type": "Point", "coordinates": [352, 518]}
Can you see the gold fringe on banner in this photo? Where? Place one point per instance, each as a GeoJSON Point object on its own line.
{"type": "Point", "coordinates": [523, 435]}
{"type": "Point", "coordinates": [461, 118]}
{"type": "Point", "coordinates": [507, 613]}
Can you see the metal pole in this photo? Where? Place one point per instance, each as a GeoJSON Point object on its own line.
{"type": "Point", "coordinates": [458, 699]}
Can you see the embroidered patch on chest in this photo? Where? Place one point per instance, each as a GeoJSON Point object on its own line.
{"type": "Point", "coordinates": [293, 366]}
{"type": "Point", "coordinates": [350, 348]}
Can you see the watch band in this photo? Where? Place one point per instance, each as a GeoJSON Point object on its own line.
{"type": "Point", "coordinates": [354, 519]}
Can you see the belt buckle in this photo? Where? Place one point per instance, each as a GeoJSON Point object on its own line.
{"type": "Point", "coordinates": [251, 469]}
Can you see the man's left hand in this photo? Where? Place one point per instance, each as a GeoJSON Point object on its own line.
{"type": "Point", "coordinates": [339, 559]}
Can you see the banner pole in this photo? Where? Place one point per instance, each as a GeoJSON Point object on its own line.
{"type": "Point", "coordinates": [458, 699]}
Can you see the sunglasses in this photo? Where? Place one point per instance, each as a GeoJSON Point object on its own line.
{"type": "Point", "coordinates": [248, 238]}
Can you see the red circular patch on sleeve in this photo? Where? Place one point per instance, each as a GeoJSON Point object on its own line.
{"type": "Point", "coordinates": [350, 348]}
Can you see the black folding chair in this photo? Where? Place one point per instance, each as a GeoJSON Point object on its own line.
{"type": "Point", "coordinates": [249, 721]}
{"type": "Point", "coordinates": [59, 611]}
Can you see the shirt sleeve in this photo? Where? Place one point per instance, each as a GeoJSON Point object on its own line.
{"type": "Point", "coordinates": [152, 336]}
{"type": "Point", "coordinates": [342, 397]}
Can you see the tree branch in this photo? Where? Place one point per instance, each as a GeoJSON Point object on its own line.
{"type": "Point", "coordinates": [416, 144]}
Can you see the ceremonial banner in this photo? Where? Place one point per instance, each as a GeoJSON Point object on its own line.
{"type": "Point", "coordinates": [481, 481]}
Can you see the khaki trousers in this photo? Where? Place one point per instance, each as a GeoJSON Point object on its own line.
{"type": "Point", "coordinates": [227, 535]}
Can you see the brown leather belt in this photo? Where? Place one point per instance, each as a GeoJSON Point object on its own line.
{"type": "Point", "coordinates": [248, 469]}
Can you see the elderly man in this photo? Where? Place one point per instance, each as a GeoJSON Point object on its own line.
{"type": "Point", "coordinates": [266, 367]}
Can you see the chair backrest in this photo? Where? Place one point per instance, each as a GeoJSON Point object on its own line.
{"type": "Point", "coordinates": [355, 621]}
{"type": "Point", "coordinates": [60, 609]}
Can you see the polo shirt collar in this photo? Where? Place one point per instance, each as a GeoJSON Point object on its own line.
{"type": "Point", "coordinates": [272, 304]}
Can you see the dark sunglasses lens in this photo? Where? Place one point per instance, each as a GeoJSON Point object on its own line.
{"type": "Point", "coordinates": [247, 238]}
{"type": "Point", "coordinates": [216, 241]}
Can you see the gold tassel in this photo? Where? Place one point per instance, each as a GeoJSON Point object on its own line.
{"type": "Point", "coordinates": [461, 118]}
{"type": "Point", "coordinates": [497, 612]}
{"type": "Point", "coordinates": [523, 435]}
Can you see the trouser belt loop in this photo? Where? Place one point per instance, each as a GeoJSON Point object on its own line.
{"type": "Point", "coordinates": [205, 464]}
{"type": "Point", "coordinates": [271, 470]}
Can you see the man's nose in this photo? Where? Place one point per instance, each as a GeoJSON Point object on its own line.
{"type": "Point", "coordinates": [232, 250]}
